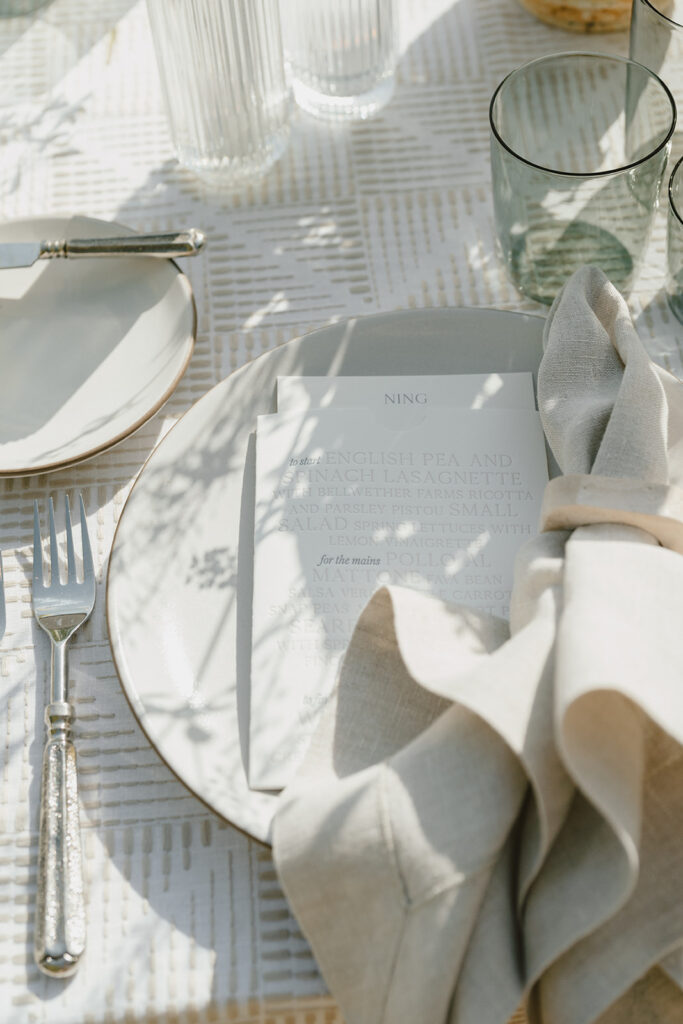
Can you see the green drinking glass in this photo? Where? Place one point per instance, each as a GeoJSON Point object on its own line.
{"type": "Point", "coordinates": [579, 143]}
{"type": "Point", "coordinates": [13, 8]}
{"type": "Point", "coordinates": [674, 242]}
{"type": "Point", "coordinates": [656, 40]}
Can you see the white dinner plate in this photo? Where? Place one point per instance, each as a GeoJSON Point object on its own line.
{"type": "Point", "coordinates": [180, 574]}
{"type": "Point", "coordinates": [89, 348]}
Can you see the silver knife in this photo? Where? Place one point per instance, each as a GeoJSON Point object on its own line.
{"type": "Point", "coordinates": [24, 254]}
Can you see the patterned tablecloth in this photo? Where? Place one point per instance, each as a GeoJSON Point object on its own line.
{"type": "Point", "coordinates": [186, 920]}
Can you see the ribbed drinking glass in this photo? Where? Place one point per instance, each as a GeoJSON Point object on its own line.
{"type": "Point", "coordinates": [222, 73]}
{"type": "Point", "coordinates": [342, 55]}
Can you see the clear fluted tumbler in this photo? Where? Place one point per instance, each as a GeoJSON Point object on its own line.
{"type": "Point", "coordinates": [342, 55]}
{"type": "Point", "coordinates": [223, 79]}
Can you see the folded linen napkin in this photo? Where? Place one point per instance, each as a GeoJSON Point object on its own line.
{"type": "Point", "coordinates": [485, 816]}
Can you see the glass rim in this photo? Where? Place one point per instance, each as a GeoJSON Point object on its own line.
{"type": "Point", "coordinates": [672, 202]}
{"type": "Point", "coordinates": [562, 55]}
{"type": "Point", "coordinates": [660, 14]}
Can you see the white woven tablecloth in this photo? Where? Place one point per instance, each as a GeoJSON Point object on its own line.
{"type": "Point", "coordinates": [186, 920]}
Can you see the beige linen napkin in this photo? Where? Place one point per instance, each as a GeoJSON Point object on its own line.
{"type": "Point", "coordinates": [486, 816]}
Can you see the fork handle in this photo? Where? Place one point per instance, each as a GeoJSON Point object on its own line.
{"type": "Point", "coordinates": [60, 906]}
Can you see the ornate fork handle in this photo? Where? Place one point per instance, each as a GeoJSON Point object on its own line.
{"type": "Point", "coordinates": [181, 243]}
{"type": "Point", "coordinates": [60, 906]}
{"type": "Point", "coordinates": [60, 607]}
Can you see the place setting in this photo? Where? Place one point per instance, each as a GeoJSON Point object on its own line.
{"type": "Point", "coordinates": [393, 608]}
{"type": "Point", "coordinates": [355, 523]}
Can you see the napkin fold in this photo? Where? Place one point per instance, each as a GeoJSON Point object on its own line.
{"type": "Point", "coordinates": [493, 815]}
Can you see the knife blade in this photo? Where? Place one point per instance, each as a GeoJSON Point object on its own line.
{"type": "Point", "coordinates": [165, 246]}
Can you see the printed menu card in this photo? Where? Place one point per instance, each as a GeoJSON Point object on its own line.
{"type": "Point", "coordinates": [349, 499]}
{"type": "Point", "coordinates": [463, 391]}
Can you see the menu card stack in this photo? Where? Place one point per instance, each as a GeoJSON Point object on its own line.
{"type": "Point", "coordinates": [427, 482]}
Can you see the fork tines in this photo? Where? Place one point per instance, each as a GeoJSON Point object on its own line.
{"type": "Point", "coordinates": [71, 575]}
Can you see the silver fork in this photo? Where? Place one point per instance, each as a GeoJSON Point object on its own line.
{"type": "Point", "coordinates": [60, 608]}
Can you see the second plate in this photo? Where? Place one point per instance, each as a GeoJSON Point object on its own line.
{"type": "Point", "coordinates": [90, 349]}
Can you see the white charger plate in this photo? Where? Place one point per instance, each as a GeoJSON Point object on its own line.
{"type": "Point", "coordinates": [89, 349]}
{"type": "Point", "coordinates": [180, 573]}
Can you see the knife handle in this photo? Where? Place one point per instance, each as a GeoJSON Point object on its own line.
{"type": "Point", "coordinates": [180, 243]}
{"type": "Point", "coordinates": [59, 938]}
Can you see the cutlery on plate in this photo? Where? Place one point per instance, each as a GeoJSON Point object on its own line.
{"type": "Point", "coordinates": [24, 254]}
{"type": "Point", "coordinates": [60, 608]}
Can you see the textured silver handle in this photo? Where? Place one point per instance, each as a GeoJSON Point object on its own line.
{"type": "Point", "coordinates": [60, 905]}
{"type": "Point", "coordinates": [181, 243]}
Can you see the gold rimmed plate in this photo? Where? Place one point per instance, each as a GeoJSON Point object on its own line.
{"type": "Point", "coordinates": [180, 576]}
{"type": "Point", "coordinates": [90, 349]}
